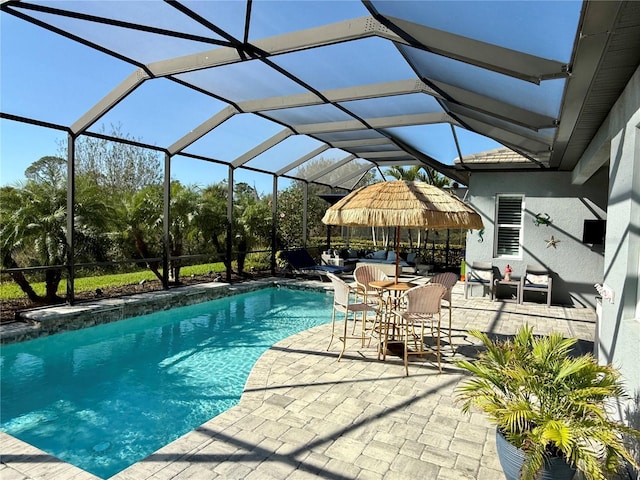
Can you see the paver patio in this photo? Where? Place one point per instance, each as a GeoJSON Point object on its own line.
{"type": "Point", "coordinates": [304, 415]}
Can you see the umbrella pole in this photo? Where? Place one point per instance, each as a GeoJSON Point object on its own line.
{"type": "Point", "coordinates": [397, 252]}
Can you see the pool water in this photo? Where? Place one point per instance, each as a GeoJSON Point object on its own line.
{"type": "Point", "coordinates": [105, 397]}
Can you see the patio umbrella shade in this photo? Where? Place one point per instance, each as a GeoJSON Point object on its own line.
{"type": "Point", "coordinates": [402, 204]}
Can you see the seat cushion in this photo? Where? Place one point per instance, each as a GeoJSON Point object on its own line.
{"type": "Point", "coordinates": [541, 281]}
{"type": "Point", "coordinates": [328, 268]}
{"type": "Point", "coordinates": [481, 276]}
{"type": "Point", "coordinates": [379, 255]}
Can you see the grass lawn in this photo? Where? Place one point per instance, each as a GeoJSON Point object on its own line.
{"type": "Point", "coordinates": [9, 289]}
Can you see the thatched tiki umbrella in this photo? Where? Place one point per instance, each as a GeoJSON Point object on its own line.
{"type": "Point", "coordinates": [402, 204]}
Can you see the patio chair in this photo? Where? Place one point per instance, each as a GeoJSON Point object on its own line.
{"type": "Point", "coordinates": [536, 278]}
{"type": "Point", "coordinates": [342, 303]}
{"type": "Point", "coordinates": [365, 274]}
{"type": "Point", "coordinates": [479, 273]}
{"type": "Point", "coordinates": [302, 263]}
{"type": "Point", "coordinates": [423, 307]}
{"type": "Point", "coordinates": [448, 280]}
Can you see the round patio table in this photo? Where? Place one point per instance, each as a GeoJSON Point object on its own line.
{"type": "Point", "coordinates": [395, 290]}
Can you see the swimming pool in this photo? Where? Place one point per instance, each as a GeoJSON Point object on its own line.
{"type": "Point", "coordinates": [105, 397]}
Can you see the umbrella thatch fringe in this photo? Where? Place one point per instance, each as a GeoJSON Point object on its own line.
{"type": "Point", "coordinates": [402, 203]}
{"type": "Point", "coordinates": [404, 218]}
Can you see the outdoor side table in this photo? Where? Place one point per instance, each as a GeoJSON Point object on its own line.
{"type": "Point", "coordinates": [514, 282]}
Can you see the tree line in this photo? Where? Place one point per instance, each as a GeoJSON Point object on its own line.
{"type": "Point", "coordinates": [118, 214]}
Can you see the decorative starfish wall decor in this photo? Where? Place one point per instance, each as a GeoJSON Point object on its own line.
{"type": "Point", "coordinates": [552, 242]}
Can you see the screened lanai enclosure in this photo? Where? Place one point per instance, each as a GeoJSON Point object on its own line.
{"type": "Point", "coordinates": [185, 132]}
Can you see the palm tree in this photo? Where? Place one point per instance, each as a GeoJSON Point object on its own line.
{"type": "Point", "coordinates": [253, 221]}
{"type": "Point", "coordinates": [410, 174]}
{"type": "Point", "coordinates": [548, 402]}
{"type": "Point", "coordinates": [211, 219]}
{"type": "Point", "coordinates": [419, 173]}
{"type": "Point", "coordinates": [182, 228]}
{"type": "Point", "coordinates": [33, 215]}
{"type": "Point", "coordinates": [141, 217]}
{"type": "Point", "coordinates": [11, 239]}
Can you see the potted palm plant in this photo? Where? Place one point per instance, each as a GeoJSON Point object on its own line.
{"type": "Point", "coordinates": [550, 408]}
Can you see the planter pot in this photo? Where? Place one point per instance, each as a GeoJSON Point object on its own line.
{"type": "Point", "coordinates": [512, 458]}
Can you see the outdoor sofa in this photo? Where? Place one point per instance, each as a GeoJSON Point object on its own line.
{"type": "Point", "coordinates": [386, 260]}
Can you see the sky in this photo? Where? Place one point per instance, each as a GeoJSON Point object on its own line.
{"type": "Point", "coordinates": [49, 77]}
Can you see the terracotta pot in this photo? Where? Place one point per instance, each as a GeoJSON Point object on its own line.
{"type": "Point", "coordinates": [512, 458]}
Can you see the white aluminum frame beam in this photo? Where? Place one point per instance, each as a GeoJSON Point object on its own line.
{"type": "Point", "coordinates": [502, 135]}
{"type": "Point", "coordinates": [365, 142]}
{"type": "Point", "coordinates": [454, 46]}
{"type": "Point", "coordinates": [481, 54]}
{"type": "Point", "coordinates": [361, 92]}
{"type": "Point", "coordinates": [510, 62]}
{"type": "Point", "coordinates": [529, 135]}
{"type": "Point", "coordinates": [302, 160]}
{"type": "Point", "coordinates": [496, 108]}
{"type": "Point", "coordinates": [202, 129]}
{"type": "Point", "coordinates": [331, 168]}
{"type": "Point", "coordinates": [391, 163]}
{"type": "Point", "coordinates": [315, 37]}
{"type": "Point", "coordinates": [354, 174]}
{"type": "Point", "coordinates": [386, 155]}
{"type": "Point", "coordinates": [125, 87]}
{"type": "Point", "coordinates": [344, 94]}
{"type": "Point", "coordinates": [375, 123]}
{"type": "Point", "coordinates": [338, 32]}
{"type": "Point", "coordinates": [263, 147]}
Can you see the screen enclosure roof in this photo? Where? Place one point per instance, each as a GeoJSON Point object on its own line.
{"type": "Point", "coordinates": [273, 85]}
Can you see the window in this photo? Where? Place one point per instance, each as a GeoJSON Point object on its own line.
{"type": "Point", "coordinates": [508, 239]}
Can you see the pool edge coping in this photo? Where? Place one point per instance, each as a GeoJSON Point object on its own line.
{"type": "Point", "coordinates": [42, 322]}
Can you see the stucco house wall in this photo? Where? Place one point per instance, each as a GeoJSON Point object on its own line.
{"type": "Point", "coordinates": [605, 184]}
{"type": "Point", "coordinates": [576, 266]}
{"type": "Point", "coordinates": [619, 325]}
